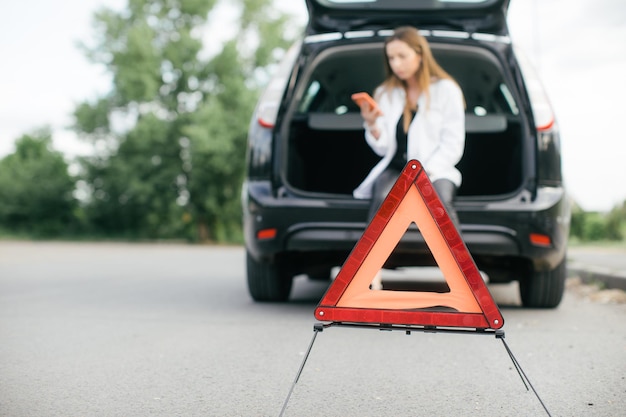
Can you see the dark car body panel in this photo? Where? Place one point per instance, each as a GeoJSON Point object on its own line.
{"type": "Point", "coordinates": [488, 16]}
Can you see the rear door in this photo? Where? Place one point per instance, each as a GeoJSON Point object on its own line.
{"type": "Point", "coordinates": [484, 16]}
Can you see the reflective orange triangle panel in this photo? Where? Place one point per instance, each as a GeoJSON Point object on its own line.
{"type": "Point", "coordinates": [412, 199]}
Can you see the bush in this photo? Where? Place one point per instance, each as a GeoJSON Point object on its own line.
{"type": "Point", "coordinates": [595, 226]}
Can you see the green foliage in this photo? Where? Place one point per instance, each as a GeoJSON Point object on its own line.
{"type": "Point", "coordinates": [178, 158]}
{"type": "Point", "coordinates": [134, 190]}
{"type": "Point", "coordinates": [577, 222]}
{"type": "Point", "coordinates": [93, 118]}
{"type": "Point", "coordinates": [616, 222]}
{"type": "Point", "coordinates": [35, 188]}
{"type": "Point", "coordinates": [594, 227]}
{"type": "Point", "coordinates": [137, 76]}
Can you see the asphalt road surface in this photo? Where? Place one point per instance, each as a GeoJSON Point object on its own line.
{"type": "Point", "coordinates": [169, 330]}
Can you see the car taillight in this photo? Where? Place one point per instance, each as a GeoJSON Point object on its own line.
{"type": "Point", "coordinates": [266, 234]}
{"type": "Point", "coordinates": [267, 110]}
{"type": "Point", "coordinates": [539, 239]}
{"type": "Point", "coordinates": [548, 135]}
{"type": "Point", "coordinates": [539, 102]}
{"type": "Point", "coordinates": [267, 113]}
{"type": "Point", "coordinates": [545, 126]}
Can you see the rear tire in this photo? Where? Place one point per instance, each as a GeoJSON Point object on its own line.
{"type": "Point", "coordinates": [544, 289]}
{"type": "Point", "coordinates": [267, 281]}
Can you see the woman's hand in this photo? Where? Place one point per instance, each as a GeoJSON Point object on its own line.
{"type": "Point", "coordinates": [370, 114]}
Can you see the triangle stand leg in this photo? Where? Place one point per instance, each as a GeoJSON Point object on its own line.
{"type": "Point", "coordinates": [499, 334]}
{"type": "Point", "coordinates": [520, 371]}
{"type": "Point", "coordinates": [318, 327]}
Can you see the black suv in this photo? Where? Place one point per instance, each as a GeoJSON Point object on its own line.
{"type": "Point", "coordinates": [307, 152]}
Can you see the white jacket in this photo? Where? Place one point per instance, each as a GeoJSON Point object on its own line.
{"type": "Point", "coordinates": [436, 136]}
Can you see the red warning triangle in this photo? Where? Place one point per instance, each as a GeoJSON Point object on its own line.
{"type": "Point", "coordinates": [411, 200]}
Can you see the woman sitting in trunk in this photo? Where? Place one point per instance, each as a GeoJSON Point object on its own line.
{"type": "Point", "coordinates": [420, 115]}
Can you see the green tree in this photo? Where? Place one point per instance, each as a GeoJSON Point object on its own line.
{"type": "Point", "coordinates": [615, 221]}
{"type": "Point", "coordinates": [577, 225]}
{"type": "Point", "coordinates": [594, 227]}
{"type": "Point", "coordinates": [171, 134]}
{"type": "Point", "coordinates": [36, 190]}
{"type": "Point", "coordinates": [133, 193]}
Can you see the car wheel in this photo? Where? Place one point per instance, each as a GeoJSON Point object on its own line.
{"type": "Point", "coordinates": [544, 289]}
{"type": "Point", "coordinates": [267, 281]}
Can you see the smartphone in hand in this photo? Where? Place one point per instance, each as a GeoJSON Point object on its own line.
{"type": "Point", "coordinates": [364, 99]}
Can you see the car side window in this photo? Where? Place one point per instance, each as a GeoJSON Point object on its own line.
{"type": "Point", "coordinates": [309, 96]}
{"type": "Point", "coordinates": [317, 99]}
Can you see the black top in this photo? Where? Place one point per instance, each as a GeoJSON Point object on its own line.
{"type": "Point", "coordinates": [400, 158]}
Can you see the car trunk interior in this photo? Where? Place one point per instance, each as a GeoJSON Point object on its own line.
{"type": "Point", "coordinates": [327, 152]}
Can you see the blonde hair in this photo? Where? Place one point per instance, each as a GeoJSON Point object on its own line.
{"type": "Point", "coordinates": [428, 71]}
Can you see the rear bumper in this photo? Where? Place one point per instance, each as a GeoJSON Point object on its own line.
{"type": "Point", "coordinates": [490, 230]}
{"type": "Point", "coordinates": [318, 237]}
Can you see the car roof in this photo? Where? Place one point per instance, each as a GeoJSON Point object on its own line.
{"type": "Point", "coordinates": [484, 16]}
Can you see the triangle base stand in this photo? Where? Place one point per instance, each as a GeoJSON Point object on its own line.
{"type": "Point", "coordinates": [408, 329]}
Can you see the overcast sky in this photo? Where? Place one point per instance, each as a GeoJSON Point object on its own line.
{"type": "Point", "coordinates": [578, 47]}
